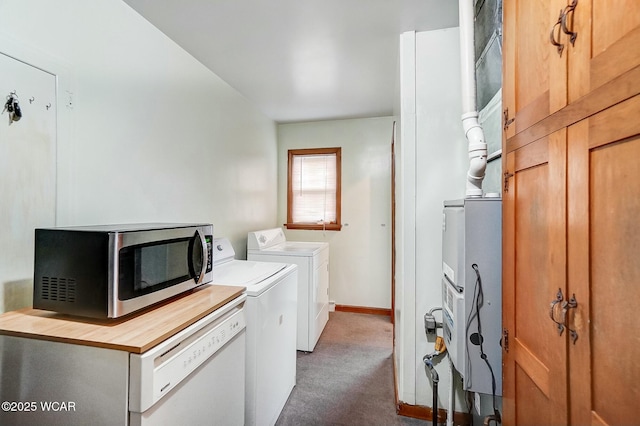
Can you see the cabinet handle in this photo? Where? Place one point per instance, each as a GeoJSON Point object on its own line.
{"type": "Point", "coordinates": [566, 305]}
{"type": "Point", "coordinates": [552, 37]}
{"type": "Point", "coordinates": [560, 324]}
{"type": "Point", "coordinates": [569, 9]}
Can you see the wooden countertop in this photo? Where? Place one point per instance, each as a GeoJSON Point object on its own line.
{"type": "Point", "coordinates": [135, 333]}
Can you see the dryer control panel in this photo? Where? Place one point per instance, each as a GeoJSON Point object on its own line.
{"type": "Point", "coordinates": [260, 240]}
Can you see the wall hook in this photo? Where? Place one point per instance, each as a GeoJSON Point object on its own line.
{"type": "Point", "coordinates": [48, 106]}
{"type": "Point", "coordinates": [31, 99]}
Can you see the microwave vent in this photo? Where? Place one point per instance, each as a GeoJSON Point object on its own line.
{"type": "Point", "coordinates": [59, 289]}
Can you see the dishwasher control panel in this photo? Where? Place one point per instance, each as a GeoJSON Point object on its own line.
{"type": "Point", "coordinates": [154, 373]}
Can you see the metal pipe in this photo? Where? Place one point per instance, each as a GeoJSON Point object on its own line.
{"type": "Point", "coordinates": [427, 359]}
{"type": "Point", "coordinates": [450, 411]}
{"type": "Point", "coordinates": [435, 404]}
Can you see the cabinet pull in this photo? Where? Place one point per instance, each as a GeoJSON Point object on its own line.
{"type": "Point", "coordinates": [552, 312]}
{"type": "Point", "coordinates": [552, 37]}
{"type": "Point", "coordinates": [569, 9]}
{"type": "Point", "coordinates": [566, 305]}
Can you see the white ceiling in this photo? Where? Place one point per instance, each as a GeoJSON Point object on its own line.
{"type": "Point", "coordinates": [301, 60]}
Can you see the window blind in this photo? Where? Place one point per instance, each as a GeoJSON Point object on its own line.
{"type": "Point", "coordinates": [314, 182]}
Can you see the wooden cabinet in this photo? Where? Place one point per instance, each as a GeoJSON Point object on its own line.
{"type": "Point", "coordinates": [603, 244]}
{"type": "Point", "coordinates": [571, 233]}
{"type": "Point", "coordinates": [534, 250]}
{"type": "Point", "coordinates": [599, 68]}
{"type": "Point", "coordinates": [534, 85]}
{"type": "Point", "coordinates": [607, 45]}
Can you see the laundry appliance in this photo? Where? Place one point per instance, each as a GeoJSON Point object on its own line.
{"type": "Point", "coordinates": [312, 258]}
{"type": "Point", "coordinates": [271, 311]}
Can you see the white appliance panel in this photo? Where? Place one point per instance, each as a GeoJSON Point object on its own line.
{"type": "Point", "coordinates": [452, 239]}
{"type": "Point", "coordinates": [257, 277]}
{"type": "Point", "coordinates": [259, 240]}
{"type": "Point", "coordinates": [213, 395]}
{"type": "Point", "coordinates": [305, 276]}
{"type": "Point", "coordinates": [472, 241]}
{"type": "Point", "coordinates": [155, 372]}
{"type": "Point", "coordinates": [272, 311]}
{"type": "Point", "coordinates": [312, 259]}
{"type": "Point", "coordinates": [320, 299]}
{"type": "Point", "coordinates": [272, 368]}
{"type": "Point", "coordinates": [294, 248]}
{"type": "Point", "coordinates": [453, 323]}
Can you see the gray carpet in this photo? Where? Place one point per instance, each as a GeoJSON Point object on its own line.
{"type": "Point", "coordinates": [348, 378]}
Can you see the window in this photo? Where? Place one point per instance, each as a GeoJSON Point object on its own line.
{"type": "Point", "coordinates": [313, 190]}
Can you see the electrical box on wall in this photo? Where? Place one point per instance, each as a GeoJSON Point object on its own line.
{"type": "Point", "coordinates": [472, 291]}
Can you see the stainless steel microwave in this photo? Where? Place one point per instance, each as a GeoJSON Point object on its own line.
{"type": "Point", "coordinates": [109, 271]}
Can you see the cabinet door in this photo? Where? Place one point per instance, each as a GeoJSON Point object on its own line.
{"type": "Point", "coordinates": [606, 44]}
{"type": "Point", "coordinates": [604, 270]}
{"type": "Point", "coordinates": [534, 226]}
{"type": "Point", "coordinates": [534, 74]}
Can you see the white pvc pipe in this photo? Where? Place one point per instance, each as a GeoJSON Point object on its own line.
{"type": "Point", "coordinates": [467, 56]}
{"type": "Point", "coordinates": [472, 129]}
{"type": "Point", "coordinates": [450, 410]}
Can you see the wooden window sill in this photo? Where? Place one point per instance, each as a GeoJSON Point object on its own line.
{"type": "Point", "coordinates": [315, 226]}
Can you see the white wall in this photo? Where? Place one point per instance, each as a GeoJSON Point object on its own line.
{"type": "Point", "coordinates": [442, 158]}
{"type": "Point", "coordinates": [360, 254]}
{"type": "Point", "coordinates": [27, 173]}
{"type": "Point", "coordinates": [149, 134]}
{"type": "Point", "coordinates": [432, 161]}
{"type": "Point", "coordinates": [405, 180]}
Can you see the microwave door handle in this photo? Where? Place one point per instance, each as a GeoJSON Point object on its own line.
{"type": "Point", "coordinates": [203, 270]}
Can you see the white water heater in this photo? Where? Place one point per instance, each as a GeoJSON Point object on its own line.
{"type": "Point", "coordinates": [472, 291]}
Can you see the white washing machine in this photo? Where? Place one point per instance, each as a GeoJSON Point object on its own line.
{"type": "Point", "coordinates": [312, 258]}
{"type": "Point", "coordinates": [271, 310]}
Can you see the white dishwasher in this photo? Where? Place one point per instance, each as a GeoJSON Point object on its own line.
{"type": "Point", "coordinates": [196, 376]}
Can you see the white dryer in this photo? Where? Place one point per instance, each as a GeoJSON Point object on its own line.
{"type": "Point", "coordinates": [271, 310]}
{"type": "Point", "coordinates": [312, 258]}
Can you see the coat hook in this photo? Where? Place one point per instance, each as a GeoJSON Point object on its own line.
{"type": "Point", "coordinates": [31, 99]}
{"type": "Point", "coordinates": [48, 105]}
